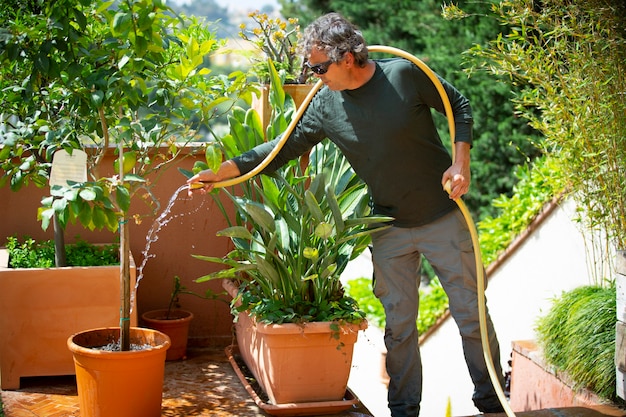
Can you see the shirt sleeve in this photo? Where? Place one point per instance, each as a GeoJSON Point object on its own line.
{"type": "Point", "coordinates": [306, 134]}
{"type": "Point", "coordinates": [461, 108]}
{"type": "Point", "coordinates": [462, 111]}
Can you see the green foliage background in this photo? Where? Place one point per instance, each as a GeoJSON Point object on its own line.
{"type": "Point", "coordinates": [28, 253]}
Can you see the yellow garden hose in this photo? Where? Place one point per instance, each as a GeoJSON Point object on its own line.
{"type": "Point", "coordinates": [480, 277]}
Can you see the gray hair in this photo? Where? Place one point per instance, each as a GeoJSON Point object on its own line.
{"type": "Point", "coordinates": [335, 36]}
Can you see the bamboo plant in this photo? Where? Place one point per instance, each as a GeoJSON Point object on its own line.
{"type": "Point", "coordinates": [570, 60]}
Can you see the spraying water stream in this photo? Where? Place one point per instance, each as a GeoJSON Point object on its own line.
{"type": "Point", "coordinates": [153, 234]}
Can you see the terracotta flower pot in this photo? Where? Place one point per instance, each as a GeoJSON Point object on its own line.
{"type": "Point", "coordinates": [297, 363]}
{"type": "Point", "coordinates": [120, 384]}
{"type": "Point", "coordinates": [176, 326]}
{"type": "Point", "coordinates": [261, 103]}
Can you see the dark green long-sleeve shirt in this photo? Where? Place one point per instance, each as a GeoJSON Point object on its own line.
{"type": "Point", "coordinates": [386, 131]}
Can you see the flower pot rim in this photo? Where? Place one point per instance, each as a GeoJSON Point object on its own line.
{"type": "Point", "coordinates": [159, 315]}
{"type": "Point", "coordinates": [76, 348]}
{"type": "Point", "coordinates": [310, 327]}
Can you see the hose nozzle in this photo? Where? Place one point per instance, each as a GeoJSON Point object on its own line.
{"type": "Point", "coordinates": [196, 185]}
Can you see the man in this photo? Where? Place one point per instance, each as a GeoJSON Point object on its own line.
{"type": "Point", "coordinates": [379, 114]}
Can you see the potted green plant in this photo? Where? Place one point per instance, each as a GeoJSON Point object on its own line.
{"type": "Point", "coordinates": [274, 39]}
{"type": "Point", "coordinates": [293, 235]}
{"type": "Point", "coordinates": [577, 337]}
{"type": "Point", "coordinates": [95, 79]}
{"type": "Point", "coordinates": [174, 321]}
{"type": "Point", "coordinates": [287, 261]}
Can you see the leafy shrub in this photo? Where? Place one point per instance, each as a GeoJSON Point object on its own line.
{"type": "Point", "coordinates": [577, 336]}
{"type": "Point", "coordinates": [535, 187]}
{"type": "Point", "coordinates": [361, 290]}
{"type": "Point", "coordinates": [33, 254]}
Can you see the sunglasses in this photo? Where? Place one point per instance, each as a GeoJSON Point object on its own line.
{"type": "Point", "coordinates": [321, 68]}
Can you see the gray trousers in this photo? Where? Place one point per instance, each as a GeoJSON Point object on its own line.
{"type": "Point", "coordinates": [446, 244]}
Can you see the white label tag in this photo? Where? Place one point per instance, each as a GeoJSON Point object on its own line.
{"type": "Point", "coordinates": [66, 167]}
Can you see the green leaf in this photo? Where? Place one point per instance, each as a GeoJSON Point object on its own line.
{"type": "Point", "coordinates": [240, 134]}
{"type": "Point", "coordinates": [46, 216]}
{"type": "Point", "coordinates": [80, 18]}
{"type": "Point", "coordinates": [123, 61]}
{"type": "Point", "coordinates": [236, 232]}
{"type": "Point", "coordinates": [363, 221]}
{"type": "Point", "coordinates": [112, 220]}
{"type": "Point", "coordinates": [267, 270]}
{"type": "Point", "coordinates": [84, 215]}
{"type": "Point", "coordinates": [222, 274]}
{"type": "Point", "coordinates": [254, 122]}
{"type": "Point", "coordinates": [71, 194]}
{"type": "Point", "coordinates": [121, 23]}
{"type": "Point", "coordinates": [122, 196]}
{"type": "Point", "coordinates": [59, 205]}
{"type": "Point", "coordinates": [277, 91]}
{"type": "Point", "coordinates": [188, 174]}
{"type": "Point", "coordinates": [213, 156]}
{"type": "Point", "coordinates": [47, 201]}
{"type": "Point", "coordinates": [334, 208]}
{"type": "Point", "coordinates": [97, 98]}
{"type": "Point", "coordinates": [87, 194]}
{"type": "Point", "coordinates": [313, 206]}
{"type": "Point", "coordinates": [261, 217]}
{"type": "Point", "coordinates": [99, 218]}
{"type": "Point", "coordinates": [134, 178]}
{"type": "Point", "coordinates": [271, 193]}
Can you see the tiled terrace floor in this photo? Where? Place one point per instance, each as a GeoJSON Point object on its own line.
{"type": "Point", "coordinates": [204, 384]}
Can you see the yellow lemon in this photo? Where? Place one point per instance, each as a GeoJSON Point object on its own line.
{"type": "Point", "coordinates": [130, 159]}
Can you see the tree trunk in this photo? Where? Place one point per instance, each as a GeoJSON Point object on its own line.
{"type": "Point", "coordinates": [59, 244]}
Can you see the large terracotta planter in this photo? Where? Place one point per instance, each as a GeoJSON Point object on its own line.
{"type": "Point", "coordinates": [176, 326]}
{"type": "Point", "coordinates": [40, 308]}
{"type": "Point", "coordinates": [120, 384]}
{"type": "Point", "coordinates": [297, 363]}
{"type": "Point", "coordinates": [536, 385]}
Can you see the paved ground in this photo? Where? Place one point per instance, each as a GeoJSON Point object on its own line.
{"type": "Point", "coordinates": [203, 385]}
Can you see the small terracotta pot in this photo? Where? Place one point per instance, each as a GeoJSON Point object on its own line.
{"type": "Point", "coordinates": [176, 326]}
{"type": "Point", "coordinates": [120, 384]}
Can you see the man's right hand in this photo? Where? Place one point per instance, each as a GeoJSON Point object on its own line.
{"type": "Point", "coordinates": [204, 181]}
